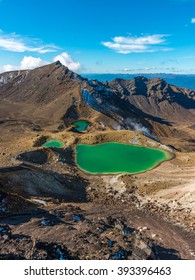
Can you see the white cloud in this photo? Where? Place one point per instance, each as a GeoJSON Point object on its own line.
{"type": "Point", "coordinates": [8, 67]}
{"type": "Point", "coordinates": [126, 45]}
{"type": "Point", "coordinates": [193, 20]}
{"type": "Point", "coordinates": [147, 40]}
{"type": "Point", "coordinates": [124, 48]}
{"type": "Point", "coordinates": [67, 60]}
{"type": "Point", "coordinates": [30, 62]}
{"type": "Point", "coordinates": [15, 43]}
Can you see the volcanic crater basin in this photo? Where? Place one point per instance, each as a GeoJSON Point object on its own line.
{"type": "Point", "coordinates": [113, 158]}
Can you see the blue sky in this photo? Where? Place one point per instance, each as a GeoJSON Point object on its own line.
{"type": "Point", "coordinates": [104, 36]}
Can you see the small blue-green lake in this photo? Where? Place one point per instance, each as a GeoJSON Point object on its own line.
{"type": "Point", "coordinates": [81, 125]}
{"type": "Point", "coordinates": [52, 143]}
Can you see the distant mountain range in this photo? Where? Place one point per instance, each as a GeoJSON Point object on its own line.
{"type": "Point", "coordinates": [185, 81]}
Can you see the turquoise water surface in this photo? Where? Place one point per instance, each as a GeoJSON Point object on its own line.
{"type": "Point", "coordinates": [114, 157]}
{"type": "Point", "coordinates": [81, 125]}
{"type": "Point", "coordinates": [53, 143]}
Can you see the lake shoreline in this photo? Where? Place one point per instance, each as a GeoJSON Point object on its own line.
{"type": "Point", "coordinates": [168, 156]}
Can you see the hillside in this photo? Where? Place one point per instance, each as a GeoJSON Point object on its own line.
{"type": "Point", "coordinates": [52, 96]}
{"type": "Point", "coordinates": [48, 204]}
{"type": "Point", "coordinates": [179, 80]}
{"type": "Point", "coordinates": [157, 98]}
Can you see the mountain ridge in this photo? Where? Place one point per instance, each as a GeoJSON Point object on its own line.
{"type": "Point", "coordinates": [47, 187]}
{"type": "Point", "coordinates": [53, 94]}
{"type": "Point", "coordinates": [180, 80]}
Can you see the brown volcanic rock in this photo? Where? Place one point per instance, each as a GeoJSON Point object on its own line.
{"type": "Point", "coordinates": [157, 98]}
{"type": "Point", "coordinates": [41, 85]}
{"type": "Point", "coordinates": [17, 76]}
{"type": "Point", "coordinates": [52, 94]}
{"type": "Point", "coordinates": [51, 97]}
{"type": "Point", "coordinates": [42, 96]}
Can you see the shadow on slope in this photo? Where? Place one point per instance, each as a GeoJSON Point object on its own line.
{"type": "Point", "coordinates": [33, 181]}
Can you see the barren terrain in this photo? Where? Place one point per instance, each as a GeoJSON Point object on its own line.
{"type": "Point", "coordinates": [50, 209]}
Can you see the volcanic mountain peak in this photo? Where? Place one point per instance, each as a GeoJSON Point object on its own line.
{"type": "Point", "coordinates": [138, 86]}
{"type": "Point", "coordinates": [56, 69]}
{"type": "Point", "coordinates": [44, 96]}
{"type": "Point", "coordinates": [55, 93]}
{"type": "Point", "coordinates": [148, 87]}
{"type": "Point", "coordinates": [58, 63]}
{"type": "Point", "coordinates": [157, 98]}
{"type": "Point", "coordinates": [20, 75]}
{"type": "Point", "coordinates": [140, 79]}
{"type": "Point", "coordinates": [40, 85]}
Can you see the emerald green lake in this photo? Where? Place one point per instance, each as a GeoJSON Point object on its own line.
{"type": "Point", "coordinates": [113, 157]}
{"type": "Point", "coordinates": [53, 143]}
{"type": "Point", "coordinates": [81, 125]}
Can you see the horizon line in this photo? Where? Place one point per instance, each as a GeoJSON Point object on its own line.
{"type": "Point", "coordinates": [136, 73]}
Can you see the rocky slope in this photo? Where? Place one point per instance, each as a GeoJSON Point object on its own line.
{"type": "Point", "coordinates": [41, 96]}
{"type": "Point", "coordinates": [157, 98]}
{"type": "Point", "coordinates": [52, 96]}
{"type": "Point", "coordinates": [115, 215]}
{"type": "Point", "coordinates": [16, 76]}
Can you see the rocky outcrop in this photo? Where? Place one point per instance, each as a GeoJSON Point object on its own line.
{"type": "Point", "coordinates": [15, 77]}
{"type": "Point", "coordinates": [99, 238]}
